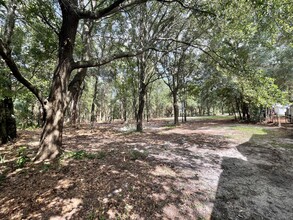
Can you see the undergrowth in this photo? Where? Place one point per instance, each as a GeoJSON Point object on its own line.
{"type": "Point", "coordinates": [22, 158]}
{"type": "Point", "coordinates": [81, 154]}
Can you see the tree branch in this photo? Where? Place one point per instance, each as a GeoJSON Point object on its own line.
{"type": "Point", "coordinates": [46, 21]}
{"type": "Point", "coordinates": [103, 61]}
{"type": "Point", "coordinates": [194, 9]}
{"type": "Point", "coordinates": [16, 73]}
{"type": "Point", "coordinates": [84, 14]}
{"type": "Point", "coordinates": [200, 47]}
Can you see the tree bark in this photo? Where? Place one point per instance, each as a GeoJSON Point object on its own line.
{"type": "Point", "coordinates": [142, 93]}
{"type": "Point", "coordinates": [7, 119]}
{"type": "Point", "coordinates": [75, 89]}
{"type": "Point", "coordinates": [175, 107]}
{"type": "Point", "coordinates": [147, 106]}
{"type": "Point", "coordinates": [93, 111]}
{"type": "Point", "coordinates": [51, 138]}
{"type": "Point", "coordinates": [185, 110]}
{"type": "Point", "coordinates": [3, 130]}
{"type": "Point", "coordinates": [141, 103]}
{"type": "Point", "coordinates": [124, 109]}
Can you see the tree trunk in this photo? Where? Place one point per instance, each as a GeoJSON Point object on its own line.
{"type": "Point", "coordinates": [141, 102]}
{"type": "Point", "coordinates": [75, 89]}
{"type": "Point", "coordinates": [208, 110]}
{"type": "Point", "coordinates": [142, 92]}
{"type": "Point", "coordinates": [134, 105]}
{"type": "Point", "coordinates": [93, 111]}
{"type": "Point", "coordinates": [238, 110]}
{"type": "Point", "coordinates": [3, 129]}
{"type": "Point", "coordinates": [200, 110]}
{"type": "Point", "coordinates": [51, 138]}
{"type": "Point", "coordinates": [175, 107]}
{"type": "Point", "coordinates": [124, 107]}
{"type": "Point", "coordinates": [222, 107]}
{"type": "Point", "coordinates": [10, 119]}
{"type": "Point", "coordinates": [74, 107]}
{"type": "Point", "coordinates": [7, 120]}
{"type": "Point", "coordinates": [185, 111]}
{"type": "Point", "coordinates": [75, 85]}
{"type": "Point", "coordinates": [147, 106]}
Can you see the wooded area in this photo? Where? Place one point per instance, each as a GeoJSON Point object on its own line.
{"type": "Point", "coordinates": [131, 65]}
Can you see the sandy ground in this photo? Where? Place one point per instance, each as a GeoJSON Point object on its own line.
{"type": "Point", "coordinates": [209, 169]}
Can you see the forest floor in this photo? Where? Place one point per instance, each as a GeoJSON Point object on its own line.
{"type": "Point", "coordinates": [202, 169]}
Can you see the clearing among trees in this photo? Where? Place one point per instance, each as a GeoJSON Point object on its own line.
{"type": "Point", "coordinates": [203, 169]}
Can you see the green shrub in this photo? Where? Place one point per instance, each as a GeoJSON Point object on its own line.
{"type": "Point", "coordinates": [22, 151]}
{"type": "Point", "coordinates": [22, 157]}
{"type": "Point", "coordinates": [21, 161]}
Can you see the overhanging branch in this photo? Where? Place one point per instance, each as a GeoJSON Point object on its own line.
{"type": "Point", "coordinates": [193, 8]}
{"type": "Point", "coordinates": [103, 61]}
{"type": "Point", "coordinates": [208, 53]}
{"type": "Point", "coordinates": [16, 73]}
{"type": "Point", "coordinates": [111, 9]}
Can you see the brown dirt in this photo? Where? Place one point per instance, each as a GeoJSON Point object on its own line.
{"type": "Point", "coordinates": [200, 170]}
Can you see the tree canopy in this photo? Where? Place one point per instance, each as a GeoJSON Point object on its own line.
{"type": "Point", "coordinates": [82, 60]}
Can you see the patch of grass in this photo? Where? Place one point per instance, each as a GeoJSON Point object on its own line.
{"type": "Point", "coordinates": [136, 154]}
{"type": "Point", "coordinates": [278, 144]}
{"type": "Point", "coordinates": [170, 126]}
{"type": "Point", "coordinates": [286, 145]}
{"type": "Point", "coordinates": [21, 151]}
{"type": "Point", "coordinates": [77, 155]}
{"type": "Point", "coordinates": [81, 154]}
{"type": "Point", "coordinates": [91, 216]}
{"type": "Point", "coordinates": [21, 161]}
{"type": "Point", "coordinates": [213, 117]}
{"type": "Point", "coordinates": [101, 217]}
{"type": "Point", "coordinates": [22, 157]}
{"type": "Point", "coordinates": [250, 129]}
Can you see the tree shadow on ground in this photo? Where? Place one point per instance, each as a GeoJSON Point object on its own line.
{"type": "Point", "coordinates": [174, 176]}
{"type": "Point", "coordinates": [165, 184]}
{"type": "Point", "coordinates": [259, 187]}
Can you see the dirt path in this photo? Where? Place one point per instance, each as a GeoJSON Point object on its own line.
{"type": "Point", "coordinates": [212, 169]}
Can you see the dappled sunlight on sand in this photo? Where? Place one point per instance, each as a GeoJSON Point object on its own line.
{"type": "Point", "coordinates": [68, 207]}
{"type": "Point", "coordinates": [162, 173]}
{"type": "Point", "coordinates": [194, 169]}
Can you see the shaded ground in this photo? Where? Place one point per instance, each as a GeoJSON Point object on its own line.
{"type": "Point", "coordinates": [209, 169]}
